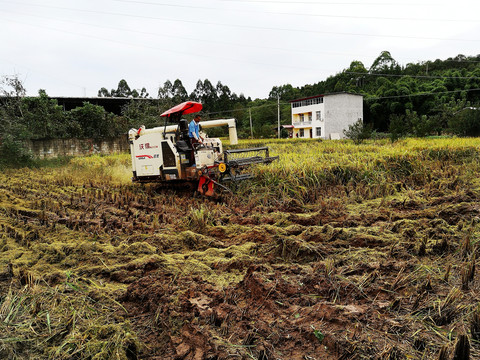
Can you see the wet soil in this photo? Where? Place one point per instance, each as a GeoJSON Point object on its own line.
{"type": "Point", "coordinates": [200, 279]}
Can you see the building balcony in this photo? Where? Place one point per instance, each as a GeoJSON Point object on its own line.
{"type": "Point", "coordinates": [302, 124]}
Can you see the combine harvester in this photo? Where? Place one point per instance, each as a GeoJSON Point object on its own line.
{"type": "Point", "coordinates": [164, 154]}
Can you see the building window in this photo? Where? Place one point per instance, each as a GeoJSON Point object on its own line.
{"type": "Point", "coordinates": [319, 131]}
{"type": "Point", "coordinates": [319, 115]}
{"type": "Point", "coordinates": [309, 116]}
{"type": "Point", "coordinates": [302, 118]}
{"type": "Point", "coordinates": [307, 102]}
{"type": "Point", "coordinates": [302, 133]}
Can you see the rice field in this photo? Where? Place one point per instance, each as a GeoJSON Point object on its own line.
{"type": "Point", "coordinates": [336, 251]}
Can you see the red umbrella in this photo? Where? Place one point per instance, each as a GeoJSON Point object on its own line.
{"type": "Point", "coordinates": [186, 107]}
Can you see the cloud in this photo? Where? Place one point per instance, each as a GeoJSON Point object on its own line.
{"type": "Point", "coordinates": [75, 48]}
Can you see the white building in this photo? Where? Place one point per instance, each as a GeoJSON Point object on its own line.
{"type": "Point", "coordinates": [325, 116]}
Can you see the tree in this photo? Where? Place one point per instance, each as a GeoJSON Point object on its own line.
{"type": "Point", "coordinates": [123, 90]}
{"type": "Point", "coordinates": [179, 93]}
{"type": "Point", "coordinates": [420, 125]}
{"type": "Point", "coordinates": [355, 74]}
{"type": "Point", "coordinates": [398, 127]}
{"type": "Point", "coordinates": [209, 97]}
{"type": "Point", "coordinates": [197, 93]}
{"type": "Point", "coordinates": [94, 122]}
{"type": "Point", "coordinates": [358, 132]}
{"type": "Point", "coordinates": [384, 63]}
{"type": "Point", "coordinates": [224, 96]}
{"type": "Point", "coordinates": [143, 93]}
{"type": "Point", "coordinates": [12, 126]}
{"type": "Point", "coordinates": [445, 113]}
{"type": "Point", "coordinates": [43, 116]}
{"type": "Point", "coordinates": [166, 91]}
{"type": "Point", "coordinates": [103, 92]}
{"type": "Point", "coordinates": [12, 93]}
{"type": "Point", "coordinates": [466, 122]}
{"type": "Point", "coordinates": [286, 92]}
{"type": "Point", "coordinates": [141, 112]}
{"type": "Point", "coordinates": [357, 67]}
{"type": "Point", "coordinates": [264, 115]}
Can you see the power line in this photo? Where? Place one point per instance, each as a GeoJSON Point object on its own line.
{"type": "Point", "coordinates": [145, 46]}
{"type": "Point", "coordinates": [289, 50]}
{"type": "Point", "coordinates": [412, 76]}
{"type": "Point", "coordinates": [419, 94]}
{"type": "Point", "coordinates": [213, 41]}
{"type": "Point", "coordinates": [366, 99]}
{"type": "Point", "coordinates": [247, 108]}
{"type": "Point", "coordinates": [325, 3]}
{"type": "Point", "coordinates": [255, 27]}
{"type": "Point", "coordinates": [431, 62]}
{"type": "Point", "coordinates": [46, 75]}
{"type": "Point", "coordinates": [299, 14]}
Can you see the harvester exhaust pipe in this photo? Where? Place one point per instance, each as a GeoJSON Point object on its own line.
{"type": "Point", "coordinates": [232, 128]}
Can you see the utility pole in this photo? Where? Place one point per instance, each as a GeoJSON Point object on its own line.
{"type": "Point", "coordinates": [251, 128]}
{"type": "Point", "coordinates": [278, 108]}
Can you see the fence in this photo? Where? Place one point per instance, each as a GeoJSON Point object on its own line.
{"type": "Point", "coordinates": [45, 149]}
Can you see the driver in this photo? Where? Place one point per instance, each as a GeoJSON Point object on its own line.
{"type": "Point", "coordinates": [194, 135]}
{"type": "Point", "coordinates": [193, 130]}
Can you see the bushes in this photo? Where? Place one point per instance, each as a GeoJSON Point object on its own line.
{"type": "Point", "coordinates": [42, 118]}
{"type": "Point", "coordinates": [93, 122]}
{"type": "Point", "coordinates": [466, 122]}
{"type": "Point", "coordinates": [358, 132]}
{"type": "Point", "coordinates": [13, 153]}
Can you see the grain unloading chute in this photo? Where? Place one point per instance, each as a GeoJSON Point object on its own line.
{"type": "Point", "coordinates": [166, 155]}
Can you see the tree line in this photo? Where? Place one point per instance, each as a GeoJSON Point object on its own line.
{"type": "Point", "coordinates": [419, 99]}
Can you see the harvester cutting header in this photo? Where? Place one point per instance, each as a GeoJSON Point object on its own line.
{"type": "Point", "coordinates": [170, 154]}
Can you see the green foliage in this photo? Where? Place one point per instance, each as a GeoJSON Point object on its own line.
{"type": "Point", "coordinates": [398, 127]}
{"type": "Point", "coordinates": [318, 334]}
{"type": "Point", "coordinates": [92, 121]}
{"type": "Point", "coordinates": [417, 99]}
{"type": "Point", "coordinates": [13, 152]}
{"type": "Point", "coordinates": [43, 117]}
{"type": "Point", "coordinates": [431, 89]}
{"type": "Point", "coordinates": [358, 132]}
{"type": "Point", "coordinates": [12, 128]}
{"type": "Point", "coordinates": [466, 122]}
{"type": "Point", "coordinates": [419, 125]}
{"type": "Point", "coordinates": [12, 92]}
{"type": "Point", "coordinates": [123, 90]}
{"type": "Point", "coordinates": [384, 63]}
{"type": "Point", "coordinates": [141, 112]}
{"type": "Point", "coordinates": [179, 93]}
{"type": "Point", "coordinates": [285, 92]}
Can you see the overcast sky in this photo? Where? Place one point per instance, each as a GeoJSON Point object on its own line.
{"type": "Point", "coordinates": [73, 47]}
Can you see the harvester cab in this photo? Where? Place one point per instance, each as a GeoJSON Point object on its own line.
{"type": "Point", "coordinates": [166, 155]}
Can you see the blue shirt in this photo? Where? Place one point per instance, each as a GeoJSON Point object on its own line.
{"type": "Point", "coordinates": [193, 129]}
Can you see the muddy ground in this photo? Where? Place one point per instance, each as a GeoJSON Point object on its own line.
{"type": "Point", "coordinates": [171, 276]}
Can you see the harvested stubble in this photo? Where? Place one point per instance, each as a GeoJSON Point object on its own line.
{"type": "Point", "coordinates": [362, 247]}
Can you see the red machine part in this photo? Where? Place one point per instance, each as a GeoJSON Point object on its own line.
{"type": "Point", "coordinates": [184, 108]}
{"type": "Point", "coordinates": [206, 186]}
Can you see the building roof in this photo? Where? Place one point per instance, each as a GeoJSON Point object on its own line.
{"type": "Point", "coordinates": [323, 95]}
{"type": "Point", "coordinates": [110, 104]}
